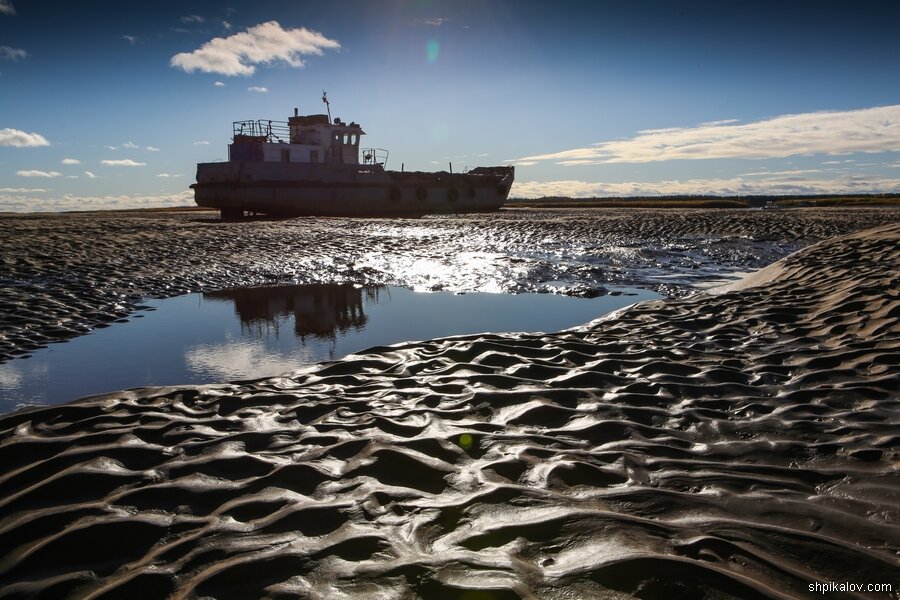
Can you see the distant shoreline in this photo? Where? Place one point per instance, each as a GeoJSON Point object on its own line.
{"type": "Point", "coordinates": [156, 209]}
{"type": "Point", "coordinates": [862, 200]}
{"type": "Point", "coordinates": [707, 201]}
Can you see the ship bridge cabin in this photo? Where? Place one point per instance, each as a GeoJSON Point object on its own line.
{"type": "Point", "coordinates": [309, 139]}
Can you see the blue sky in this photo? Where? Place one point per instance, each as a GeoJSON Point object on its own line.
{"type": "Point", "coordinates": [585, 98]}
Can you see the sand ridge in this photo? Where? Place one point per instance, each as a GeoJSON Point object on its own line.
{"type": "Point", "coordinates": [737, 443]}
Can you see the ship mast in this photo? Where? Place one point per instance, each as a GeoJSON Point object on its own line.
{"type": "Point", "coordinates": [327, 105]}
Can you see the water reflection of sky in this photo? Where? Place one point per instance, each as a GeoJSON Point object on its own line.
{"type": "Point", "coordinates": [250, 333]}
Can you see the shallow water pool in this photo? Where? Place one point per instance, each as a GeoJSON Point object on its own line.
{"type": "Point", "coordinates": [248, 333]}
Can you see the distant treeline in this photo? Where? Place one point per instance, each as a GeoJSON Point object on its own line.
{"type": "Point", "coordinates": [555, 202]}
{"type": "Point", "coordinates": [870, 200]}
{"type": "Point", "coordinates": [694, 201]}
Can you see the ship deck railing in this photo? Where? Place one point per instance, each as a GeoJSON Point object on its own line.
{"type": "Point", "coordinates": [260, 131]}
{"type": "Point", "coordinates": [373, 156]}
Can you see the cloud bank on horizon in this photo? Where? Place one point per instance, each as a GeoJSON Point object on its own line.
{"type": "Point", "coordinates": [780, 185]}
{"type": "Point", "coordinates": [20, 202]}
{"type": "Point", "coordinates": [828, 132]}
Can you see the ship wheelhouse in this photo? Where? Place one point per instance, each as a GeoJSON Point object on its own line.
{"type": "Point", "coordinates": [306, 139]}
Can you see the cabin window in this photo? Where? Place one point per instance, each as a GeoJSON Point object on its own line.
{"type": "Point", "coordinates": [313, 156]}
{"type": "Point", "coordinates": [285, 155]}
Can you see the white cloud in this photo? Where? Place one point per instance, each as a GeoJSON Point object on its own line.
{"type": "Point", "coordinates": [226, 26]}
{"type": "Point", "coordinates": [7, 8]}
{"type": "Point", "coordinates": [90, 175]}
{"type": "Point", "coordinates": [735, 186]}
{"type": "Point", "coordinates": [866, 130]}
{"type": "Point", "coordinates": [13, 54]}
{"type": "Point", "coordinates": [21, 139]}
{"type": "Point", "coordinates": [33, 173]}
{"type": "Point", "coordinates": [132, 39]}
{"type": "Point", "coordinates": [168, 175]}
{"type": "Point", "coordinates": [265, 43]}
{"type": "Point", "coordinates": [151, 149]}
{"type": "Point", "coordinates": [192, 19]}
{"type": "Point", "coordinates": [70, 161]}
{"type": "Point", "coordinates": [111, 147]}
{"type": "Point", "coordinates": [219, 84]}
{"type": "Point", "coordinates": [201, 143]}
{"type": "Point", "coordinates": [125, 162]}
{"type": "Point", "coordinates": [130, 145]}
{"type": "Point", "coordinates": [258, 90]}
{"type": "Point", "coordinates": [435, 22]}
{"type": "Point", "coordinates": [21, 190]}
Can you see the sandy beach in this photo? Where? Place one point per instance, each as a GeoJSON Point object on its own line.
{"type": "Point", "coordinates": [737, 443]}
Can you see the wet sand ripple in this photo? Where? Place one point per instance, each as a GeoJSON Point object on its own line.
{"type": "Point", "coordinates": [739, 443]}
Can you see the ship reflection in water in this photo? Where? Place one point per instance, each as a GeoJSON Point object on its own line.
{"type": "Point", "coordinates": [253, 333]}
{"type": "Point", "coordinates": [320, 311]}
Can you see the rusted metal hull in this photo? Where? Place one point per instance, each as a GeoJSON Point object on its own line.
{"type": "Point", "coordinates": [291, 189]}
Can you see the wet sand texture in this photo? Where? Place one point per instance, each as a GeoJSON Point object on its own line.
{"type": "Point", "coordinates": [736, 444]}
{"type": "Point", "coordinates": [61, 275]}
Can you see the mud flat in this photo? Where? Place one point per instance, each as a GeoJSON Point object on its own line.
{"type": "Point", "coordinates": [61, 275]}
{"type": "Point", "coordinates": [739, 443]}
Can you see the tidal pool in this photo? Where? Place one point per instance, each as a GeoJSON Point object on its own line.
{"type": "Point", "coordinates": [249, 333]}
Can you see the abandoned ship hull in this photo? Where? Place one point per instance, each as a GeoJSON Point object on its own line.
{"type": "Point", "coordinates": [291, 189]}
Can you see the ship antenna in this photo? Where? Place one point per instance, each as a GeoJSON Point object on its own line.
{"type": "Point", "coordinates": [327, 105]}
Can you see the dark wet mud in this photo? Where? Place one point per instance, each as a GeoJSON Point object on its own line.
{"type": "Point", "coordinates": [61, 275]}
{"type": "Point", "coordinates": [737, 444]}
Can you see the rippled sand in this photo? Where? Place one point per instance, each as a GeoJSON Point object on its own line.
{"type": "Point", "coordinates": [740, 443]}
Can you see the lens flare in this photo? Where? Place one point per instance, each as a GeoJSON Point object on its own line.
{"type": "Point", "coordinates": [432, 49]}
